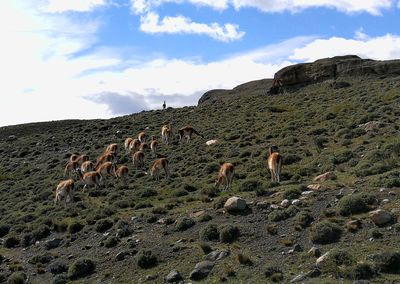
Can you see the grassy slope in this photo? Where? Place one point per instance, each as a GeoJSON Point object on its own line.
{"type": "Point", "coordinates": [315, 129]}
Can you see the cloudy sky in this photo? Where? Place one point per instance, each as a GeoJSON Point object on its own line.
{"type": "Point", "coordinates": [62, 59]}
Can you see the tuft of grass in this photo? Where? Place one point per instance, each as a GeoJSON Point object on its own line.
{"type": "Point", "coordinates": [355, 204]}
{"type": "Point", "coordinates": [325, 232]}
{"type": "Point", "coordinates": [81, 268]}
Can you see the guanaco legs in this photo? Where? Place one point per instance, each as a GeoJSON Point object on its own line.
{"type": "Point", "coordinates": [64, 191]}
{"type": "Point", "coordinates": [225, 175]}
{"type": "Point", "coordinates": [153, 146]}
{"type": "Point", "coordinates": [121, 173]}
{"type": "Point", "coordinates": [166, 132]}
{"type": "Point", "coordinates": [138, 160]}
{"type": "Point", "coordinates": [187, 132]}
{"type": "Point", "coordinates": [157, 165]}
{"type": "Point", "coordinates": [274, 164]}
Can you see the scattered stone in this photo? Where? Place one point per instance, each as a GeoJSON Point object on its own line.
{"type": "Point", "coordinates": [217, 255]}
{"type": "Point", "coordinates": [297, 247]}
{"type": "Point", "coordinates": [151, 277]}
{"type": "Point", "coordinates": [174, 277]}
{"type": "Point", "coordinates": [121, 255]}
{"type": "Point", "coordinates": [322, 259]}
{"type": "Point", "coordinates": [201, 270]}
{"type": "Point", "coordinates": [314, 186]}
{"type": "Point", "coordinates": [285, 203]}
{"type": "Point", "coordinates": [274, 206]}
{"type": "Point", "coordinates": [384, 201]}
{"type": "Point", "coordinates": [307, 192]}
{"type": "Point", "coordinates": [314, 251]}
{"type": "Point", "coordinates": [313, 273]}
{"type": "Point", "coordinates": [263, 205]}
{"type": "Point", "coordinates": [369, 126]}
{"type": "Point", "coordinates": [211, 142]}
{"type": "Point", "coordinates": [380, 217]}
{"type": "Point", "coordinates": [197, 214]}
{"type": "Point", "coordinates": [324, 177]}
{"type": "Point", "coordinates": [57, 267]}
{"type": "Point", "coordinates": [298, 278]}
{"type": "Point", "coordinates": [235, 204]}
{"type": "Point", "coordinates": [53, 243]}
{"type": "Point", "coordinates": [11, 138]}
{"type": "Point", "coordinates": [296, 202]}
{"type": "Point", "coordinates": [353, 225]}
{"type": "Point", "coordinates": [382, 189]}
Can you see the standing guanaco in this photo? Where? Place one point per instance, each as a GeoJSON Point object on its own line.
{"type": "Point", "coordinates": [153, 146]}
{"type": "Point", "coordinates": [187, 132]}
{"type": "Point", "coordinates": [142, 137]}
{"type": "Point", "coordinates": [90, 178]}
{"type": "Point", "coordinates": [64, 191]}
{"type": "Point", "coordinates": [274, 164]}
{"type": "Point", "coordinates": [133, 146]}
{"type": "Point", "coordinates": [127, 143]}
{"type": "Point", "coordinates": [138, 160]}
{"type": "Point", "coordinates": [166, 132]}
{"type": "Point", "coordinates": [121, 173]}
{"type": "Point", "coordinates": [225, 175]}
{"type": "Point", "coordinates": [157, 165]}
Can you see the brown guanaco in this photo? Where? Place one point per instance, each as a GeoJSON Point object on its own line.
{"type": "Point", "coordinates": [225, 175]}
{"type": "Point", "coordinates": [187, 132]}
{"type": "Point", "coordinates": [157, 165]}
{"type": "Point", "coordinates": [274, 164]}
{"type": "Point", "coordinates": [64, 191]}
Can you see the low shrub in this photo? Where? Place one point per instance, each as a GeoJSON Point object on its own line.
{"type": "Point", "coordinates": [228, 233]}
{"type": "Point", "coordinates": [81, 268]}
{"type": "Point", "coordinates": [184, 223]}
{"type": "Point", "coordinates": [209, 233]}
{"type": "Point", "coordinates": [103, 225]}
{"type": "Point", "coordinates": [146, 259]}
{"type": "Point", "coordinates": [356, 203]}
{"type": "Point", "coordinates": [325, 232]}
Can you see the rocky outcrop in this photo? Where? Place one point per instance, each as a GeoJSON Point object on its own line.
{"type": "Point", "coordinates": [333, 68]}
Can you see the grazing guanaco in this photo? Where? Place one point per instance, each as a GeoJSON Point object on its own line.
{"type": "Point", "coordinates": [138, 159]}
{"type": "Point", "coordinates": [187, 132]}
{"type": "Point", "coordinates": [153, 146]}
{"type": "Point", "coordinates": [64, 190]}
{"type": "Point", "coordinates": [157, 165]}
{"type": "Point", "coordinates": [112, 148]}
{"type": "Point", "coordinates": [87, 166]}
{"type": "Point", "coordinates": [274, 164]}
{"type": "Point", "coordinates": [143, 147]}
{"type": "Point", "coordinates": [166, 133]}
{"type": "Point", "coordinates": [225, 175]}
{"type": "Point", "coordinates": [82, 158]}
{"type": "Point", "coordinates": [134, 145]}
{"type": "Point", "coordinates": [73, 157]}
{"type": "Point", "coordinates": [90, 178]}
{"type": "Point", "coordinates": [121, 173]}
{"type": "Point", "coordinates": [142, 137]}
{"type": "Point", "coordinates": [127, 143]}
{"type": "Point", "coordinates": [106, 157]}
{"type": "Point", "coordinates": [71, 168]}
{"type": "Point", "coordinates": [106, 169]}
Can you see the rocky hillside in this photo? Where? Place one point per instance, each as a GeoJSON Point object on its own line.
{"type": "Point", "coordinates": [333, 218]}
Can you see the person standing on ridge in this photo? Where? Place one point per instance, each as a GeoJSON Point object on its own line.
{"type": "Point", "coordinates": [164, 105]}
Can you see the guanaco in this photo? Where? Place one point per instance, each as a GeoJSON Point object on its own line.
{"type": "Point", "coordinates": [225, 175]}
{"type": "Point", "coordinates": [166, 132]}
{"type": "Point", "coordinates": [142, 137]}
{"type": "Point", "coordinates": [153, 146]}
{"type": "Point", "coordinates": [70, 168]}
{"type": "Point", "coordinates": [127, 143]}
{"type": "Point", "coordinates": [64, 191]}
{"type": "Point", "coordinates": [73, 157]}
{"type": "Point", "coordinates": [90, 178]}
{"type": "Point", "coordinates": [106, 169]}
{"type": "Point", "coordinates": [187, 132]}
{"type": "Point", "coordinates": [274, 164]}
{"type": "Point", "coordinates": [87, 166]}
{"type": "Point", "coordinates": [121, 173]}
{"type": "Point", "coordinates": [143, 147]}
{"type": "Point", "coordinates": [106, 157]}
{"type": "Point", "coordinates": [138, 159]}
{"type": "Point", "coordinates": [112, 148]}
{"type": "Point", "coordinates": [157, 165]}
{"type": "Point", "coordinates": [79, 158]}
{"type": "Point", "coordinates": [134, 146]}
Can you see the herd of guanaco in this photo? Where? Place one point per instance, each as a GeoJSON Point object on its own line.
{"type": "Point", "coordinates": [93, 174]}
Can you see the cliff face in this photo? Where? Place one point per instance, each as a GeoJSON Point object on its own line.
{"type": "Point", "coordinates": [335, 67]}
{"type": "Point", "coordinates": [308, 73]}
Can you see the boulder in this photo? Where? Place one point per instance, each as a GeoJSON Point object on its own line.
{"type": "Point", "coordinates": [217, 255]}
{"type": "Point", "coordinates": [174, 277]}
{"type": "Point", "coordinates": [322, 259]}
{"type": "Point", "coordinates": [201, 270]}
{"type": "Point", "coordinates": [380, 217]}
{"type": "Point", "coordinates": [235, 204]}
{"type": "Point", "coordinates": [314, 251]}
{"type": "Point", "coordinates": [324, 177]}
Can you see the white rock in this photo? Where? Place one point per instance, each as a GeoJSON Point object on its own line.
{"type": "Point", "coordinates": [322, 259]}
{"type": "Point", "coordinates": [235, 204]}
{"type": "Point", "coordinates": [285, 203]}
{"type": "Point", "coordinates": [296, 202]}
{"type": "Point", "coordinates": [211, 142]}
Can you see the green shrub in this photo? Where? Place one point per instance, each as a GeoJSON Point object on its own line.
{"type": "Point", "coordinates": [75, 227]}
{"type": "Point", "coordinates": [111, 242]}
{"type": "Point", "coordinates": [303, 219]}
{"type": "Point", "coordinates": [17, 277]}
{"type": "Point", "coordinates": [103, 225]}
{"type": "Point", "coordinates": [228, 233]}
{"type": "Point", "coordinates": [325, 232]}
{"type": "Point", "coordinates": [4, 229]}
{"type": "Point", "coordinates": [184, 223]}
{"type": "Point", "coordinates": [81, 268]}
{"type": "Point", "coordinates": [11, 242]}
{"type": "Point", "coordinates": [147, 192]}
{"type": "Point", "coordinates": [146, 259]}
{"type": "Point", "coordinates": [342, 157]}
{"type": "Point", "coordinates": [209, 233]}
{"type": "Point", "coordinates": [41, 258]}
{"type": "Point", "coordinates": [205, 218]}
{"type": "Point", "coordinates": [355, 204]}
{"type": "Point", "coordinates": [362, 270]}
{"type": "Point", "coordinates": [180, 192]}
{"type": "Point", "coordinates": [292, 193]}
{"type": "Point", "coordinates": [41, 232]}
{"type": "Point", "coordinates": [250, 185]}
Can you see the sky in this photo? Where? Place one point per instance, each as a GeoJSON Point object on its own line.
{"type": "Point", "coordinates": [86, 59]}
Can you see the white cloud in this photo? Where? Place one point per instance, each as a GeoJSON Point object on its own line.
{"type": "Point", "coordinates": [373, 7]}
{"type": "Point", "coordinates": [151, 23]}
{"type": "Point", "coordinates": [61, 6]}
{"type": "Point", "coordinates": [367, 48]}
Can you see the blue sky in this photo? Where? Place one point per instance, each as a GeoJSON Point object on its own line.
{"type": "Point", "coordinates": [65, 59]}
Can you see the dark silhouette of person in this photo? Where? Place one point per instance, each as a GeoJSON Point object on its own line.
{"type": "Point", "coordinates": [164, 105]}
